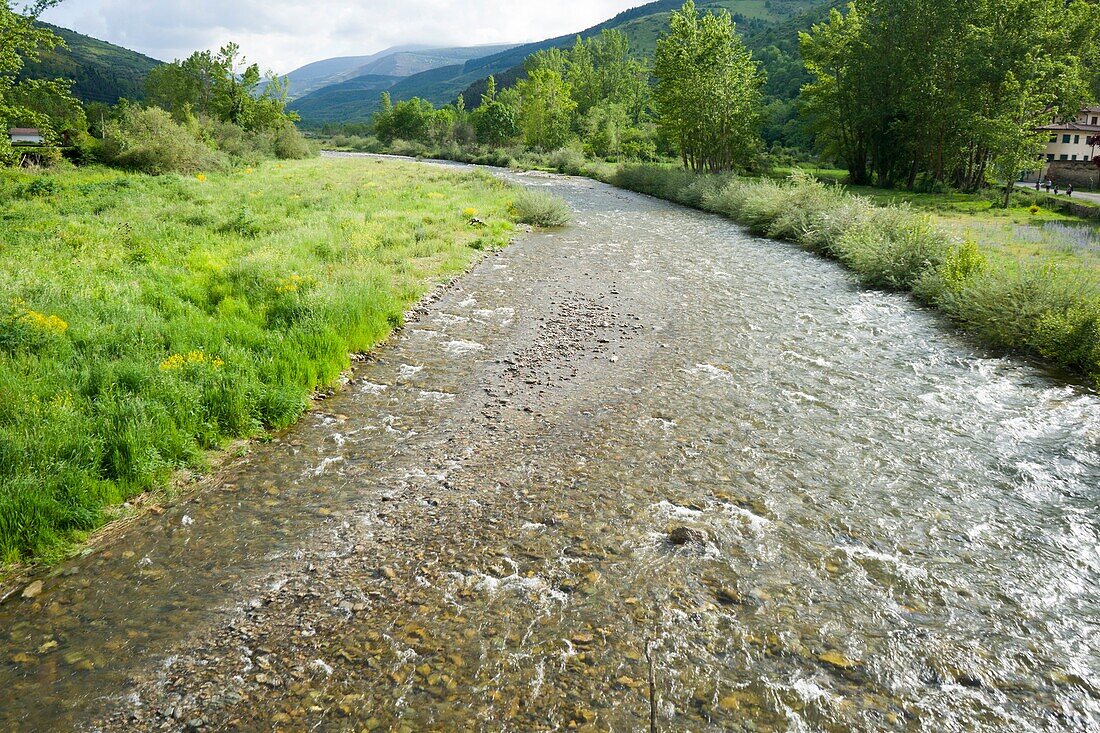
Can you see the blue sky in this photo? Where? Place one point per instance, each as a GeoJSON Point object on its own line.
{"type": "Point", "coordinates": [285, 34]}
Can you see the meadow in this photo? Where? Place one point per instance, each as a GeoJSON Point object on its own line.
{"type": "Point", "coordinates": [147, 320]}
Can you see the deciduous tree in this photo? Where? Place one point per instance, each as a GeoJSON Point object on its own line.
{"type": "Point", "coordinates": [708, 91]}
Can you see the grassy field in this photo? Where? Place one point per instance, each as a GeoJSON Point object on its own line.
{"type": "Point", "coordinates": [146, 320]}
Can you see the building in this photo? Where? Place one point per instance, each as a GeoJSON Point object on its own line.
{"type": "Point", "coordinates": [25, 136]}
{"type": "Point", "coordinates": [1076, 140]}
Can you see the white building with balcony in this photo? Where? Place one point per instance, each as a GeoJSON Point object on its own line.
{"type": "Point", "coordinates": [1070, 141]}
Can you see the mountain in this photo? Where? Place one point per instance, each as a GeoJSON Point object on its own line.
{"type": "Point", "coordinates": [102, 72]}
{"type": "Point", "coordinates": [342, 102]}
{"type": "Point", "coordinates": [399, 61]}
{"type": "Point", "coordinates": [319, 74]}
{"type": "Point", "coordinates": [642, 26]}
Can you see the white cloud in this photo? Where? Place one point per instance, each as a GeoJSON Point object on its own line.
{"type": "Point", "coordinates": [285, 34]}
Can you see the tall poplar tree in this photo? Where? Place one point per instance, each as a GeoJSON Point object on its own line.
{"type": "Point", "coordinates": [709, 91]}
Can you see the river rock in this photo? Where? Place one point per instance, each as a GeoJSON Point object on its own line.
{"type": "Point", "coordinates": [729, 597]}
{"type": "Point", "coordinates": [33, 590]}
{"type": "Point", "coordinates": [686, 536]}
{"type": "Point", "coordinates": [838, 660]}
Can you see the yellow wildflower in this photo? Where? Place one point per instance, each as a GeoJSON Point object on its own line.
{"type": "Point", "coordinates": [469, 213]}
{"type": "Point", "coordinates": [201, 178]}
{"type": "Point", "coordinates": [43, 322]}
{"type": "Point", "coordinates": [435, 195]}
{"type": "Point", "coordinates": [291, 284]}
{"type": "Point", "coordinates": [198, 357]}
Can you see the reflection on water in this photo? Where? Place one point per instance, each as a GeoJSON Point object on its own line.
{"type": "Point", "coordinates": [897, 532]}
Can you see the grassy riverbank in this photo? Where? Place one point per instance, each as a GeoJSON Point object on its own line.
{"type": "Point", "coordinates": [146, 320]}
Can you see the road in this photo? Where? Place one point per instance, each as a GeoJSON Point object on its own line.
{"type": "Point", "coordinates": [1081, 195]}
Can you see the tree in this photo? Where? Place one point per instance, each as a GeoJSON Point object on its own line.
{"type": "Point", "coordinates": [708, 92]}
{"type": "Point", "coordinates": [408, 120]}
{"type": "Point", "coordinates": [908, 90]}
{"type": "Point", "coordinates": [600, 70]}
{"type": "Point", "coordinates": [29, 103]}
{"type": "Point", "coordinates": [545, 109]}
{"type": "Point", "coordinates": [494, 121]}
{"type": "Point", "coordinates": [836, 100]}
{"type": "Point", "coordinates": [222, 86]}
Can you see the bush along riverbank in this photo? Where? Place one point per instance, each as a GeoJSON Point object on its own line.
{"type": "Point", "coordinates": [145, 320]}
{"type": "Point", "coordinates": [1043, 310]}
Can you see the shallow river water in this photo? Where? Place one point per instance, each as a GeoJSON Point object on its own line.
{"type": "Point", "coordinates": [901, 531]}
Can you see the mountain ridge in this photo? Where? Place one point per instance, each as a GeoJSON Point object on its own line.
{"type": "Point", "coordinates": [641, 24]}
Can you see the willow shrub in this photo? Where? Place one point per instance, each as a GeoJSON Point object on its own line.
{"type": "Point", "coordinates": [540, 209]}
{"type": "Point", "coordinates": [144, 320]}
{"type": "Point", "coordinates": [1046, 310]}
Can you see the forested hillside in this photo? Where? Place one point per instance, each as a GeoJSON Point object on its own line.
{"type": "Point", "coordinates": [759, 19]}
{"type": "Point", "coordinates": [101, 71]}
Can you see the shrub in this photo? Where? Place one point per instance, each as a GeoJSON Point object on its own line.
{"type": "Point", "coordinates": [541, 210]}
{"type": "Point", "coordinates": [149, 140]}
{"type": "Point", "coordinates": [289, 144]}
{"type": "Point", "coordinates": [568, 161]}
{"type": "Point", "coordinates": [38, 188]}
{"type": "Point", "coordinates": [893, 248]}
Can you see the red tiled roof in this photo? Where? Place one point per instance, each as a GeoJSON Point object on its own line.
{"type": "Point", "coordinates": [24, 131]}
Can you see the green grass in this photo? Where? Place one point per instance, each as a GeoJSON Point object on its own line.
{"type": "Point", "coordinates": [144, 321]}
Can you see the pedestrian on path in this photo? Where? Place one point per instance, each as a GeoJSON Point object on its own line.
{"type": "Point", "coordinates": [1069, 191]}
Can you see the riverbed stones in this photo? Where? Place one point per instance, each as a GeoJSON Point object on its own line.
{"type": "Point", "coordinates": [33, 590]}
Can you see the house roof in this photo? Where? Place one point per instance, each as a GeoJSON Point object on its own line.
{"type": "Point", "coordinates": [1071, 127]}
{"type": "Point", "coordinates": [24, 131]}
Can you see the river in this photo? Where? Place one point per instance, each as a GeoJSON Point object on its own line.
{"type": "Point", "coordinates": [895, 530]}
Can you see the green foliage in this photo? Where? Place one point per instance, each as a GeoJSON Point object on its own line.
{"type": "Point", "coordinates": [953, 92]}
{"type": "Point", "coordinates": [145, 319]}
{"type": "Point", "coordinates": [546, 109]}
{"type": "Point", "coordinates": [962, 264]}
{"type": "Point", "coordinates": [601, 72]}
{"type": "Point", "coordinates": [221, 86]}
{"type": "Point", "coordinates": [416, 120]}
{"type": "Point", "coordinates": [150, 141]}
{"type": "Point", "coordinates": [540, 209]}
{"type": "Point", "coordinates": [494, 121]}
{"type": "Point", "coordinates": [708, 92]}
{"type": "Point", "coordinates": [44, 104]}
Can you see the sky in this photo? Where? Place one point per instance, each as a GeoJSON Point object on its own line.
{"type": "Point", "coordinates": [285, 34]}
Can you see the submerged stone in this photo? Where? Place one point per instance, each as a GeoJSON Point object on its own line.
{"type": "Point", "coordinates": [686, 536]}
{"type": "Point", "coordinates": [838, 660]}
